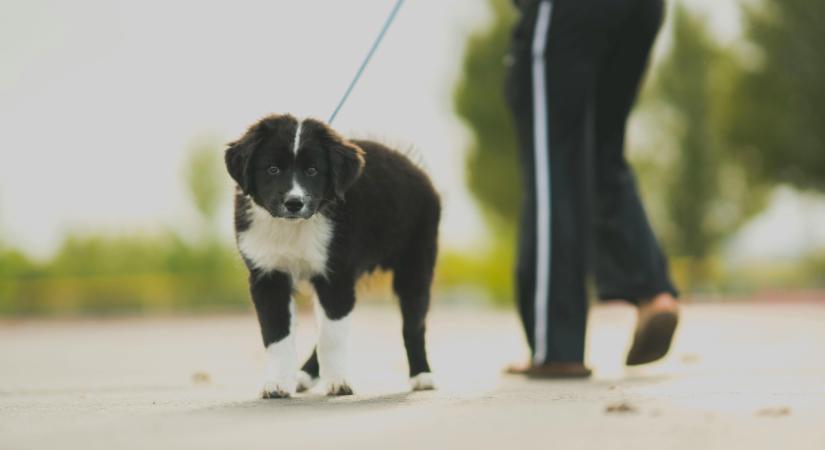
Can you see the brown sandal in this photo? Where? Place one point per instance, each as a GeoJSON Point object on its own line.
{"type": "Point", "coordinates": [552, 370]}
{"type": "Point", "coordinates": [653, 337]}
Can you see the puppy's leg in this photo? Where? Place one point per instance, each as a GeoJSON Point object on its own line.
{"type": "Point", "coordinates": [272, 296]}
{"type": "Point", "coordinates": [411, 282]}
{"type": "Point", "coordinates": [334, 302]}
{"type": "Point", "coordinates": [414, 306]}
{"type": "Point", "coordinates": [309, 373]}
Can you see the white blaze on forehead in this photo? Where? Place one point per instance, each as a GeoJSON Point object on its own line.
{"type": "Point", "coordinates": [297, 140]}
{"type": "Point", "coordinates": [297, 190]}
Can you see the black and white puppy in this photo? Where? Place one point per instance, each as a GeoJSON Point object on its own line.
{"type": "Point", "coordinates": [311, 205]}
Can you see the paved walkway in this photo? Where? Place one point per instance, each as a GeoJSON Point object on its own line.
{"type": "Point", "coordinates": [739, 376]}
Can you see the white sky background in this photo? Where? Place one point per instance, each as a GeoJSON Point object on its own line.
{"type": "Point", "coordinates": [99, 100]}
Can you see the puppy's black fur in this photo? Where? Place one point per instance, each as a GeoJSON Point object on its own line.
{"type": "Point", "coordinates": [381, 209]}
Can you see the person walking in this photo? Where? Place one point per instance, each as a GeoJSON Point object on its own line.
{"type": "Point", "coordinates": [574, 71]}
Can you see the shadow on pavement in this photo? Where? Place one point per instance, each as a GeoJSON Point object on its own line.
{"type": "Point", "coordinates": [312, 401]}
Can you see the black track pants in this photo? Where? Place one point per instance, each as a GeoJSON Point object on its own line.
{"type": "Point", "coordinates": [574, 72]}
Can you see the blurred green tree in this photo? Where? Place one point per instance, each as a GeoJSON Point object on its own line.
{"type": "Point", "coordinates": [105, 273]}
{"type": "Point", "coordinates": [698, 190]}
{"type": "Point", "coordinates": [492, 163]}
{"type": "Point", "coordinates": [701, 191]}
{"type": "Point", "coordinates": [777, 123]}
{"type": "Point", "coordinates": [205, 180]}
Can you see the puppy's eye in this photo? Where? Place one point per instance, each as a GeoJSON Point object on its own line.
{"type": "Point", "coordinates": [273, 170]}
{"type": "Point", "coordinates": [312, 171]}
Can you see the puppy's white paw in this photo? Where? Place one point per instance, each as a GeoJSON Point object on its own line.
{"type": "Point", "coordinates": [336, 388]}
{"type": "Point", "coordinates": [422, 382]}
{"type": "Point", "coordinates": [305, 381]}
{"type": "Point", "coordinates": [279, 389]}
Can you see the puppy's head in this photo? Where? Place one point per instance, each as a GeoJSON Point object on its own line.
{"type": "Point", "coordinates": [293, 167]}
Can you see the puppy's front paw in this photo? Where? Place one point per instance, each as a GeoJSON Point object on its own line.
{"type": "Point", "coordinates": [278, 389]}
{"type": "Point", "coordinates": [305, 381]}
{"type": "Point", "coordinates": [338, 388]}
{"type": "Point", "coordinates": [422, 382]}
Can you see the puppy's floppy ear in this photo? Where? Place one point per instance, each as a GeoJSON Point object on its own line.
{"type": "Point", "coordinates": [238, 157]}
{"type": "Point", "coordinates": [347, 164]}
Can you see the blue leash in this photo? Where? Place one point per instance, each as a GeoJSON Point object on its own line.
{"type": "Point", "coordinates": [360, 71]}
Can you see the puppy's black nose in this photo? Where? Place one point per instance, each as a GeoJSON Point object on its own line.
{"type": "Point", "coordinates": [293, 205]}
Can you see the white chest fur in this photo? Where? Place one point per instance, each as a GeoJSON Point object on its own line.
{"type": "Point", "coordinates": [297, 247]}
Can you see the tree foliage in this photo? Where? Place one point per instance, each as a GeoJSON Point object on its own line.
{"type": "Point", "coordinates": [492, 162]}
{"type": "Point", "coordinates": [204, 180]}
{"type": "Point", "coordinates": [95, 273]}
{"type": "Point", "coordinates": [777, 124]}
{"type": "Point", "coordinates": [700, 190]}
{"type": "Point", "coordinates": [706, 192]}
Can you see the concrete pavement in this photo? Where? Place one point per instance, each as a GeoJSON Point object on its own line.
{"type": "Point", "coordinates": [739, 376]}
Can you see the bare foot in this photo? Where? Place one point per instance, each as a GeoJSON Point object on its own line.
{"type": "Point", "coordinates": [656, 324]}
{"type": "Point", "coordinates": [663, 302]}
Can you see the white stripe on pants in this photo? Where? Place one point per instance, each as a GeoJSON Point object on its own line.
{"type": "Point", "coordinates": [541, 151]}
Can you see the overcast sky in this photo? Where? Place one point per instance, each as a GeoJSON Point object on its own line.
{"type": "Point", "coordinates": [99, 99]}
